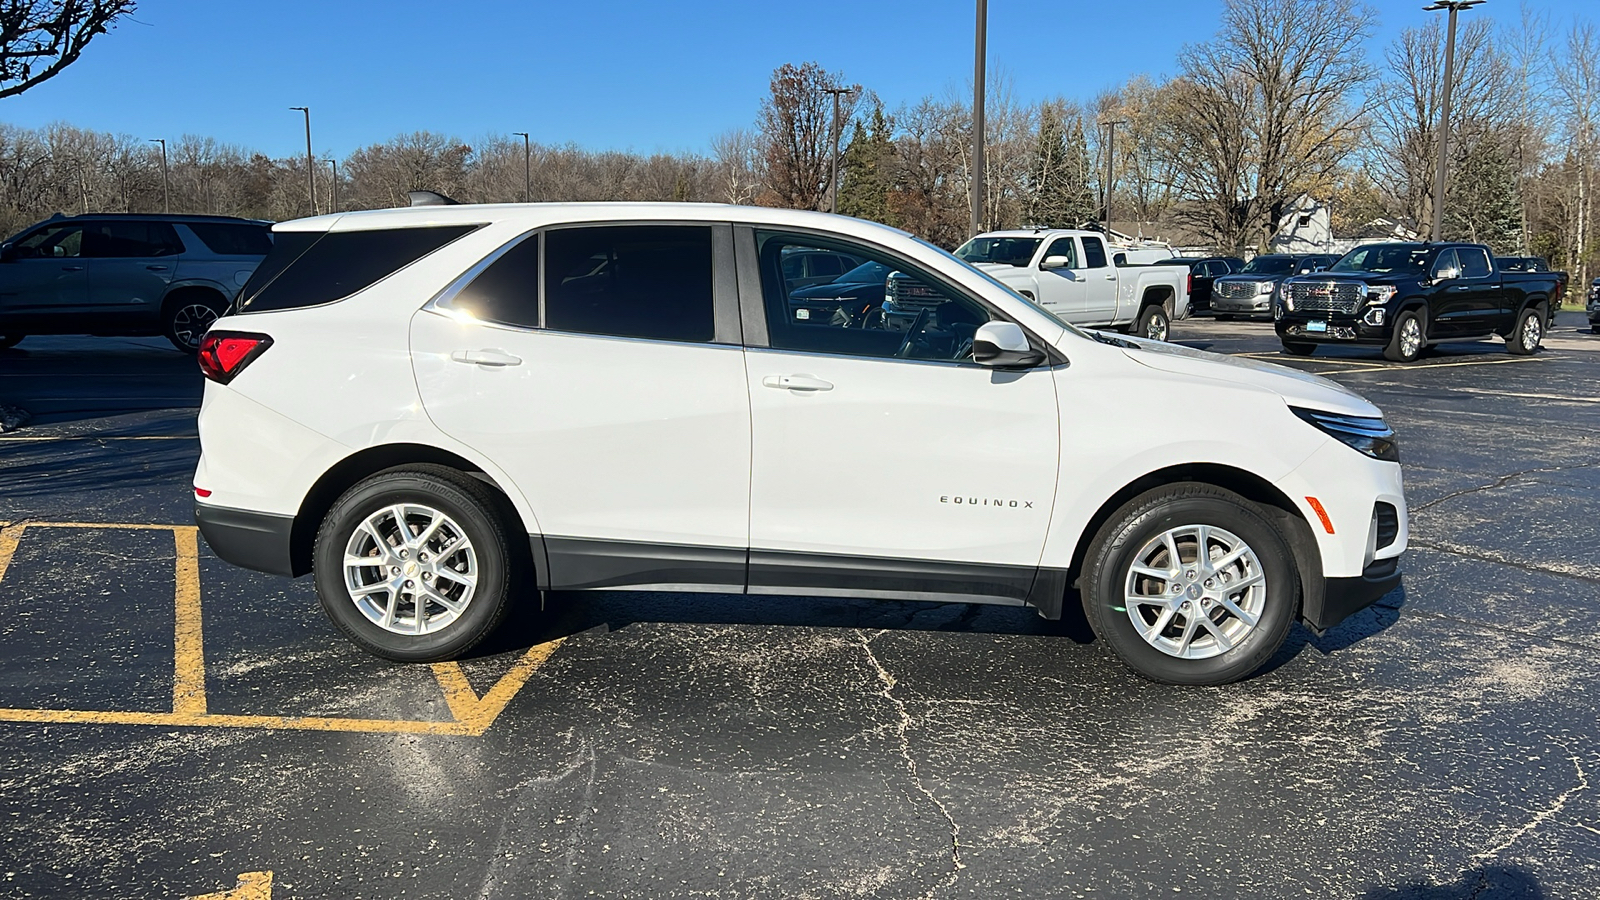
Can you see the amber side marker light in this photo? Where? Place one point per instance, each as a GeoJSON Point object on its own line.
{"type": "Point", "coordinates": [1316, 507]}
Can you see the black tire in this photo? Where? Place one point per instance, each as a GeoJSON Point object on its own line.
{"type": "Point", "coordinates": [7, 341]}
{"type": "Point", "coordinates": [187, 315]}
{"type": "Point", "coordinates": [1595, 329]}
{"type": "Point", "coordinates": [1525, 338]}
{"type": "Point", "coordinates": [1154, 323]}
{"type": "Point", "coordinates": [1107, 570]}
{"type": "Point", "coordinates": [465, 501]}
{"type": "Point", "coordinates": [1300, 348]}
{"type": "Point", "coordinates": [1224, 317]}
{"type": "Point", "coordinates": [1400, 348]}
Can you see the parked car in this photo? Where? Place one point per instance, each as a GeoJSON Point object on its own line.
{"type": "Point", "coordinates": [1203, 270]}
{"type": "Point", "coordinates": [812, 267]}
{"type": "Point", "coordinates": [115, 274]}
{"type": "Point", "coordinates": [497, 432]}
{"type": "Point", "coordinates": [853, 295]}
{"type": "Point", "coordinates": [1405, 296]}
{"type": "Point", "coordinates": [1250, 291]}
{"type": "Point", "coordinates": [1522, 264]}
{"type": "Point", "coordinates": [1594, 306]}
{"type": "Point", "coordinates": [1069, 273]}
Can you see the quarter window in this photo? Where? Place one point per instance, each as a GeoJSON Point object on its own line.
{"type": "Point", "coordinates": [234, 239]}
{"type": "Point", "coordinates": [644, 281]}
{"type": "Point", "coordinates": [312, 269]}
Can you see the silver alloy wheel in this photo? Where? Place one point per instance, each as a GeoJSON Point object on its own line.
{"type": "Point", "coordinates": [1195, 591]}
{"type": "Point", "coordinates": [1411, 337]}
{"type": "Point", "coordinates": [1532, 330]}
{"type": "Point", "coordinates": [410, 569]}
{"type": "Point", "coordinates": [190, 322]}
{"type": "Point", "coordinates": [1156, 328]}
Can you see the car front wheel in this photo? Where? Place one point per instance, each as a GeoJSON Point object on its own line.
{"type": "Point", "coordinates": [1191, 584]}
{"type": "Point", "coordinates": [1410, 338]}
{"type": "Point", "coordinates": [413, 564]}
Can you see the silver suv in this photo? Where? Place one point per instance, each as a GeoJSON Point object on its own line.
{"type": "Point", "coordinates": [126, 275]}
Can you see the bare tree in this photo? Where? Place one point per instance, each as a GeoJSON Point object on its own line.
{"type": "Point", "coordinates": [39, 38]}
{"type": "Point", "coordinates": [1577, 80]}
{"type": "Point", "coordinates": [737, 160]}
{"type": "Point", "coordinates": [796, 133]}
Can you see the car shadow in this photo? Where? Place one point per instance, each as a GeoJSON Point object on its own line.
{"type": "Point", "coordinates": [1366, 623]}
{"type": "Point", "coordinates": [1481, 883]}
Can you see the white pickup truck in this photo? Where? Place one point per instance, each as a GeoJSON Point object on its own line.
{"type": "Point", "coordinates": [1074, 275]}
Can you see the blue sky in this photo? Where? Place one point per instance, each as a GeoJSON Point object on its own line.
{"type": "Point", "coordinates": [617, 74]}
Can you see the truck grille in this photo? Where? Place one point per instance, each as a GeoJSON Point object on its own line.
{"type": "Point", "coordinates": [1235, 290]}
{"type": "Point", "coordinates": [910, 294]}
{"type": "Point", "coordinates": [1324, 296]}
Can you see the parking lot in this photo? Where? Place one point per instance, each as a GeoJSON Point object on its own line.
{"type": "Point", "coordinates": [171, 726]}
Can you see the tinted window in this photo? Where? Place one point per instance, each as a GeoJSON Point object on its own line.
{"type": "Point", "coordinates": [1011, 251]}
{"type": "Point", "coordinates": [310, 269]}
{"type": "Point", "coordinates": [646, 281]}
{"type": "Point", "coordinates": [56, 242]}
{"type": "Point", "coordinates": [234, 239]}
{"type": "Point", "coordinates": [866, 273]}
{"type": "Point", "coordinates": [130, 240]}
{"type": "Point", "coordinates": [1474, 262]}
{"type": "Point", "coordinates": [1446, 260]}
{"type": "Point", "coordinates": [508, 290]}
{"type": "Point", "coordinates": [1064, 247]}
{"type": "Point", "coordinates": [1269, 265]}
{"type": "Point", "coordinates": [916, 317]}
{"type": "Point", "coordinates": [1094, 253]}
{"type": "Point", "coordinates": [826, 266]}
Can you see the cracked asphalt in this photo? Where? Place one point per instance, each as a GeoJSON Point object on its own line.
{"type": "Point", "coordinates": [1442, 744]}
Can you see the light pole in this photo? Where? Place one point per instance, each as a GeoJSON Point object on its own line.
{"type": "Point", "coordinates": [333, 191]}
{"type": "Point", "coordinates": [1111, 166]}
{"type": "Point", "coordinates": [311, 177]}
{"type": "Point", "coordinates": [833, 177]}
{"type": "Point", "coordinates": [527, 167]}
{"type": "Point", "coordinates": [977, 115]}
{"type": "Point", "coordinates": [166, 199]}
{"type": "Point", "coordinates": [1454, 6]}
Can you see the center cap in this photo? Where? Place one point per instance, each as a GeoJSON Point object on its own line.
{"type": "Point", "coordinates": [411, 568]}
{"type": "Point", "coordinates": [1194, 592]}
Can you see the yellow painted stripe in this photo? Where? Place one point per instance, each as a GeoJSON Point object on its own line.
{"type": "Point", "coordinates": [479, 713]}
{"type": "Point", "coordinates": [288, 723]}
{"type": "Point", "coordinates": [251, 886]}
{"type": "Point", "coordinates": [188, 658]}
{"type": "Point", "coordinates": [9, 535]}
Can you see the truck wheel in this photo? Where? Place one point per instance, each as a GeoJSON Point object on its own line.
{"type": "Point", "coordinates": [1595, 329]}
{"type": "Point", "coordinates": [1409, 338]}
{"type": "Point", "coordinates": [1191, 584]}
{"type": "Point", "coordinates": [1528, 333]}
{"type": "Point", "coordinates": [7, 341]}
{"type": "Point", "coordinates": [1299, 348]}
{"type": "Point", "coordinates": [1154, 323]}
{"type": "Point", "coordinates": [413, 564]}
{"type": "Point", "coordinates": [188, 315]}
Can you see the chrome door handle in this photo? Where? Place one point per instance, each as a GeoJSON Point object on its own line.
{"type": "Point", "coordinates": [72, 268]}
{"type": "Point", "coordinates": [492, 358]}
{"type": "Point", "coordinates": [796, 383]}
{"type": "Point", "coordinates": [1464, 287]}
{"type": "Point", "coordinates": [1112, 277]}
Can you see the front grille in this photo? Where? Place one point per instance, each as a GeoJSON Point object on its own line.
{"type": "Point", "coordinates": [910, 294]}
{"type": "Point", "coordinates": [1235, 290]}
{"type": "Point", "coordinates": [1324, 296]}
{"type": "Point", "coordinates": [1386, 521]}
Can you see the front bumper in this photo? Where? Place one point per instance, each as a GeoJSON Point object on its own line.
{"type": "Point", "coordinates": [1341, 329]}
{"type": "Point", "coordinates": [253, 540]}
{"type": "Point", "coordinates": [1261, 304]}
{"type": "Point", "coordinates": [1344, 597]}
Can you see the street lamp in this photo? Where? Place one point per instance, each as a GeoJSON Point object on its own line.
{"type": "Point", "coordinates": [977, 115]}
{"type": "Point", "coordinates": [833, 178]}
{"type": "Point", "coordinates": [1111, 167]}
{"type": "Point", "coordinates": [311, 177]}
{"type": "Point", "coordinates": [333, 192]}
{"type": "Point", "coordinates": [166, 200]}
{"type": "Point", "coordinates": [1454, 6]}
{"type": "Point", "coordinates": [527, 166]}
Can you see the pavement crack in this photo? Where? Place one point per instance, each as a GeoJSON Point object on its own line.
{"type": "Point", "coordinates": [1543, 815]}
{"type": "Point", "coordinates": [1502, 560]}
{"type": "Point", "coordinates": [888, 683]}
{"type": "Point", "coordinates": [1498, 483]}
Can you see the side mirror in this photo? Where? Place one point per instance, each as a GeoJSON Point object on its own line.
{"type": "Point", "coordinates": [1446, 275]}
{"type": "Point", "coordinates": [8, 253]}
{"type": "Point", "coordinates": [1055, 262]}
{"type": "Point", "coordinates": [1003, 345]}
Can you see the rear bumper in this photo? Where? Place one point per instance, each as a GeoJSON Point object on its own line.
{"type": "Point", "coordinates": [254, 540]}
{"type": "Point", "coordinates": [1344, 597]}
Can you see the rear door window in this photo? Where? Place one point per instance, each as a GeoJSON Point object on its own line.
{"type": "Point", "coordinates": [130, 240]}
{"type": "Point", "coordinates": [641, 281]}
{"type": "Point", "coordinates": [309, 269]}
{"type": "Point", "coordinates": [507, 291]}
{"type": "Point", "coordinates": [1094, 253]}
{"type": "Point", "coordinates": [1474, 262]}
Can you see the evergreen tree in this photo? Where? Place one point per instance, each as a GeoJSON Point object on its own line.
{"type": "Point", "coordinates": [1058, 178]}
{"type": "Point", "coordinates": [1482, 201]}
{"type": "Point", "coordinates": [867, 169]}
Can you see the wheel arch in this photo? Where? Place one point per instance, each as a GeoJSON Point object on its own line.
{"type": "Point", "coordinates": [1159, 294]}
{"type": "Point", "coordinates": [367, 462]}
{"type": "Point", "coordinates": [182, 290]}
{"type": "Point", "coordinates": [1273, 503]}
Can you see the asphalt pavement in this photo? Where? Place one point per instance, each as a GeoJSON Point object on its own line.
{"type": "Point", "coordinates": [171, 726]}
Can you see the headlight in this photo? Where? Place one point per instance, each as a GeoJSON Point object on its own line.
{"type": "Point", "coordinates": [1265, 287]}
{"type": "Point", "coordinates": [1365, 435]}
{"type": "Point", "coordinates": [1379, 294]}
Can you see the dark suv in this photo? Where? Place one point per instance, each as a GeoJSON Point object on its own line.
{"type": "Point", "coordinates": [126, 275]}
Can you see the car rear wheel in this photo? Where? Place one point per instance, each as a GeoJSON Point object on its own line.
{"type": "Point", "coordinates": [414, 565]}
{"type": "Point", "coordinates": [7, 341]}
{"type": "Point", "coordinates": [187, 318]}
{"type": "Point", "coordinates": [1410, 338]}
{"type": "Point", "coordinates": [1154, 323]}
{"type": "Point", "coordinates": [1528, 333]}
{"type": "Point", "coordinates": [1299, 348]}
{"type": "Point", "coordinates": [1191, 584]}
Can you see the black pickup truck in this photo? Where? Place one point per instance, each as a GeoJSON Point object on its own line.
{"type": "Point", "coordinates": [1405, 296]}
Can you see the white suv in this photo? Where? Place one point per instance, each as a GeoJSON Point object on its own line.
{"type": "Point", "coordinates": [438, 411]}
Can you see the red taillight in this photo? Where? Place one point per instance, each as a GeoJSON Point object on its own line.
{"type": "Point", "coordinates": [224, 354]}
{"type": "Point", "coordinates": [201, 492]}
{"type": "Point", "coordinates": [1190, 288]}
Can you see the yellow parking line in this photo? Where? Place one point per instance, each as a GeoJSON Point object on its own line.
{"type": "Point", "coordinates": [9, 535]}
{"type": "Point", "coordinates": [188, 657]}
{"type": "Point", "coordinates": [478, 713]}
{"type": "Point", "coordinates": [296, 723]}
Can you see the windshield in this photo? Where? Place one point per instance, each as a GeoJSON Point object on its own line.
{"type": "Point", "coordinates": [1008, 289]}
{"type": "Point", "coordinates": [1384, 258]}
{"type": "Point", "coordinates": [1011, 251]}
{"type": "Point", "coordinates": [1268, 265]}
{"type": "Point", "coordinates": [866, 273]}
